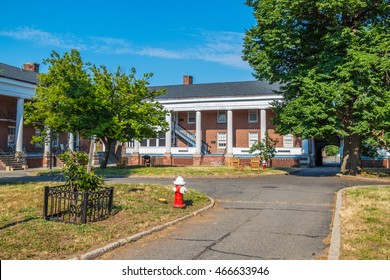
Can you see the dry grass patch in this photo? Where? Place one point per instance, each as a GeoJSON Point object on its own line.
{"type": "Point", "coordinates": [382, 173]}
{"type": "Point", "coordinates": [365, 224]}
{"type": "Point", "coordinates": [185, 171]}
{"type": "Point", "coordinates": [24, 234]}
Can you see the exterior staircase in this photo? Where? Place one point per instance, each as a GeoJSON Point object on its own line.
{"type": "Point", "coordinates": [10, 162]}
{"type": "Point", "coordinates": [190, 138]}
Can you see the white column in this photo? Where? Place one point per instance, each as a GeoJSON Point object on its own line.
{"type": "Point", "coordinates": [168, 134]}
{"type": "Point", "coordinates": [71, 141]}
{"type": "Point", "coordinates": [47, 141]}
{"type": "Point", "coordinates": [47, 160]}
{"type": "Point", "coordinates": [91, 154]}
{"type": "Point", "coordinates": [263, 124]}
{"type": "Point", "coordinates": [198, 150]}
{"type": "Point", "coordinates": [136, 146]}
{"type": "Point", "coordinates": [229, 144]}
{"type": "Point", "coordinates": [19, 125]}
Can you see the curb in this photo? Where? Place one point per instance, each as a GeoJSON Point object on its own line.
{"type": "Point", "coordinates": [335, 241]}
{"type": "Point", "coordinates": [113, 245]}
{"type": "Point", "coordinates": [363, 178]}
{"type": "Point", "coordinates": [334, 251]}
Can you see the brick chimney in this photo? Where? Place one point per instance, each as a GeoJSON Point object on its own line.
{"type": "Point", "coordinates": [31, 66]}
{"type": "Point", "coordinates": [187, 80]}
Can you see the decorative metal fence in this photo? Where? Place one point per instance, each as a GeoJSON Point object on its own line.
{"type": "Point", "coordinates": [61, 204]}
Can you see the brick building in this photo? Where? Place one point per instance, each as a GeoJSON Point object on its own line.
{"type": "Point", "coordinates": [212, 123]}
{"type": "Point", "coordinates": [17, 86]}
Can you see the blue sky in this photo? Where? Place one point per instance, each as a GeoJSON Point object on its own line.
{"type": "Point", "coordinates": [167, 38]}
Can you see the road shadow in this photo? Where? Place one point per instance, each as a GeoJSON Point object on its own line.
{"type": "Point", "coordinates": [319, 171]}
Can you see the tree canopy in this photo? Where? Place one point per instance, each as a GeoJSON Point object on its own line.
{"type": "Point", "coordinates": [75, 96]}
{"type": "Point", "coordinates": [333, 60]}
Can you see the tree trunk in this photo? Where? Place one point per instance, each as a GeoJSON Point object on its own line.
{"type": "Point", "coordinates": [107, 152]}
{"type": "Point", "coordinates": [352, 161]}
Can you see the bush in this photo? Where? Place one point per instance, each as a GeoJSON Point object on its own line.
{"type": "Point", "coordinates": [75, 172]}
{"type": "Point", "coordinates": [265, 149]}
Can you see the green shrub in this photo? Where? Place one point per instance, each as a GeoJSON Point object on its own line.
{"type": "Point", "coordinates": [75, 172]}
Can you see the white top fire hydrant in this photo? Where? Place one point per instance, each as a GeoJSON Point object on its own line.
{"type": "Point", "coordinates": [179, 190]}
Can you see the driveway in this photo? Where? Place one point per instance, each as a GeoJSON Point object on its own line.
{"type": "Point", "coordinates": [268, 217]}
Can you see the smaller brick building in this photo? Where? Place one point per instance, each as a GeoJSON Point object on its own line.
{"type": "Point", "coordinates": [213, 123]}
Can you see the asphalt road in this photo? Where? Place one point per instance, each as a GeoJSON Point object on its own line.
{"type": "Point", "coordinates": [268, 217]}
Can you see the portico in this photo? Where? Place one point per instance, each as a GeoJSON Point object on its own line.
{"type": "Point", "coordinates": [215, 120]}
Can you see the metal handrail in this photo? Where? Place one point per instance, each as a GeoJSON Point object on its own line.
{"type": "Point", "coordinates": [191, 137]}
{"type": "Point", "coordinates": [8, 156]}
{"type": "Point", "coordinates": [185, 132]}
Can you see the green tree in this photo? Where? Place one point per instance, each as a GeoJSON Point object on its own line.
{"type": "Point", "coordinates": [331, 150]}
{"type": "Point", "coordinates": [265, 149]}
{"type": "Point", "coordinates": [110, 106]}
{"type": "Point", "coordinates": [75, 172]}
{"type": "Point", "coordinates": [332, 59]}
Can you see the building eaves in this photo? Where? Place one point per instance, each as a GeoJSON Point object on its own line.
{"type": "Point", "coordinates": [212, 90]}
{"type": "Point", "coordinates": [19, 74]}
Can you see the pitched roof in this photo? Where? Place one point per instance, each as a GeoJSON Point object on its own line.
{"type": "Point", "coordinates": [19, 74]}
{"type": "Point", "coordinates": [228, 89]}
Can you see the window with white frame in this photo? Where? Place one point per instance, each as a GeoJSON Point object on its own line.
{"type": "Point", "coordinates": [191, 117]}
{"type": "Point", "coordinates": [161, 139]}
{"type": "Point", "coordinates": [253, 138]}
{"type": "Point", "coordinates": [55, 140]}
{"type": "Point", "coordinates": [221, 117]}
{"type": "Point", "coordinates": [221, 140]}
{"type": "Point", "coordinates": [144, 142]}
{"type": "Point", "coordinates": [130, 144]}
{"type": "Point", "coordinates": [253, 116]}
{"type": "Point", "coordinates": [288, 141]}
{"type": "Point", "coordinates": [11, 136]}
{"type": "Point", "coordinates": [154, 142]}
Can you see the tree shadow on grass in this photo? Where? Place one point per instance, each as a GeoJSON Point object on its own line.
{"type": "Point", "coordinates": [18, 222]}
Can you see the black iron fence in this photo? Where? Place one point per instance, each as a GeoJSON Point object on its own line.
{"type": "Point", "coordinates": [61, 204]}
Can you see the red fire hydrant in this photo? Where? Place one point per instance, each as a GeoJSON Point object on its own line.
{"type": "Point", "coordinates": [264, 165]}
{"type": "Point", "coordinates": [179, 190]}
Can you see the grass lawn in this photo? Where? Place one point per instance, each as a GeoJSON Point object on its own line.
{"type": "Point", "coordinates": [24, 234]}
{"type": "Point", "coordinates": [365, 224]}
{"type": "Point", "coordinates": [185, 171]}
{"type": "Point", "coordinates": [382, 173]}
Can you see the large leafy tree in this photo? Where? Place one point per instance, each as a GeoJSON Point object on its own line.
{"type": "Point", "coordinates": [75, 96]}
{"type": "Point", "coordinates": [333, 60]}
